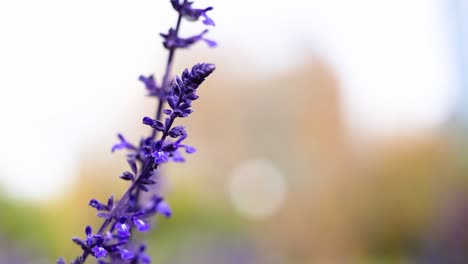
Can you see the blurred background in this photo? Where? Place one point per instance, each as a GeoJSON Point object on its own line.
{"type": "Point", "coordinates": [331, 132]}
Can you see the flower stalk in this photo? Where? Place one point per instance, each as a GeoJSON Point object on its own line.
{"type": "Point", "coordinates": [114, 241]}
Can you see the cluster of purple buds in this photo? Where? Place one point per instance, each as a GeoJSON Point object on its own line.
{"type": "Point", "coordinates": [114, 241]}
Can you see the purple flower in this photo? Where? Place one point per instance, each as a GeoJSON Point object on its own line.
{"type": "Point", "coordinates": [192, 14]}
{"type": "Point", "coordinates": [160, 157]}
{"type": "Point", "coordinates": [191, 79]}
{"type": "Point", "coordinates": [99, 206]}
{"type": "Point", "coordinates": [184, 90]}
{"type": "Point", "coordinates": [176, 156]}
{"type": "Point", "coordinates": [189, 149]}
{"type": "Point", "coordinates": [164, 209]}
{"type": "Point", "coordinates": [140, 224]}
{"type": "Point", "coordinates": [151, 85]}
{"type": "Point", "coordinates": [156, 124]}
{"type": "Point", "coordinates": [99, 252]}
{"type": "Point", "coordinates": [128, 176]}
{"type": "Point", "coordinates": [126, 254]}
{"type": "Point", "coordinates": [113, 242]}
{"type": "Point", "coordinates": [172, 40]}
{"type": "Point", "coordinates": [177, 132]}
{"type": "Point", "coordinates": [123, 144]}
{"type": "Point", "coordinates": [89, 235]}
{"type": "Point", "coordinates": [123, 229]}
{"type": "Point", "coordinates": [141, 256]}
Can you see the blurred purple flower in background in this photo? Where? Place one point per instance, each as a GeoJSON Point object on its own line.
{"type": "Point", "coordinates": [448, 240]}
{"type": "Point", "coordinates": [12, 254]}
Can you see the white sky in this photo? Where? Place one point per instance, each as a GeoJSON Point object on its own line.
{"type": "Point", "coordinates": [67, 66]}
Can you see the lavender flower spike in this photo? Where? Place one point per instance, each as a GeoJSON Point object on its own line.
{"type": "Point", "coordinates": [114, 240]}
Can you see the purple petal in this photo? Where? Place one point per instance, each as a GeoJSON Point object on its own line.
{"type": "Point", "coordinates": [160, 157]}
{"type": "Point", "coordinates": [140, 224]}
{"type": "Point", "coordinates": [99, 252]}
{"type": "Point", "coordinates": [88, 230]}
{"type": "Point", "coordinates": [128, 176]}
{"type": "Point", "coordinates": [164, 209]}
{"type": "Point", "coordinates": [145, 259]}
{"type": "Point", "coordinates": [190, 149]}
{"type": "Point", "coordinates": [123, 230]}
{"type": "Point", "coordinates": [210, 43]}
{"type": "Point", "coordinates": [126, 254]}
{"type": "Point", "coordinates": [177, 157]}
{"type": "Point", "coordinates": [208, 21]}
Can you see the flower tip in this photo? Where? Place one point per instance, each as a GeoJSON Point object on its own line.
{"type": "Point", "coordinates": [148, 121]}
{"type": "Point", "coordinates": [210, 67]}
{"type": "Point", "coordinates": [209, 22]}
{"type": "Point", "coordinates": [190, 150]}
{"type": "Point", "coordinates": [93, 203]}
{"type": "Point", "coordinates": [88, 230]}
{"type": "Point", "coordinates": [211, 43]}
{"type": "Point", "coordinates": [114, 148]}
{"type": "Point", "coordinates": [164, 209]}
{"type": "Point", "coordinates": [61, 261]}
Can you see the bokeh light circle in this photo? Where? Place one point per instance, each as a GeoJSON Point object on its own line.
{"type": "Point", "coordinates": [257, 188]}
